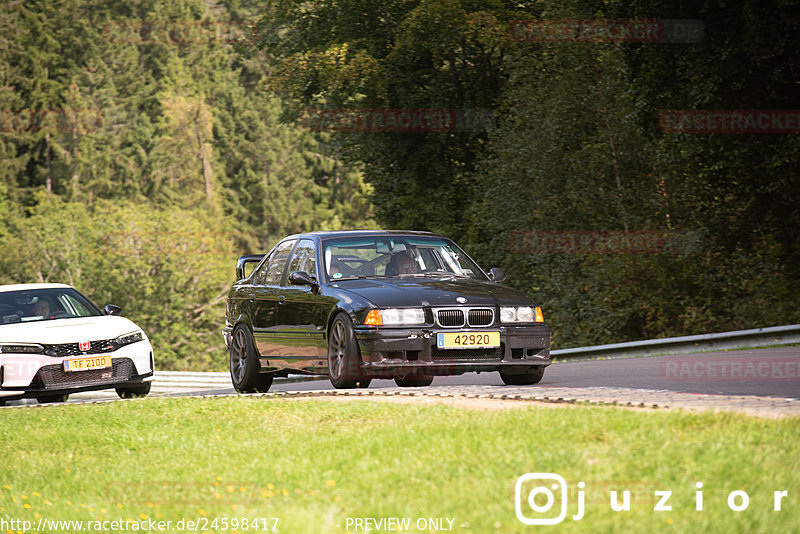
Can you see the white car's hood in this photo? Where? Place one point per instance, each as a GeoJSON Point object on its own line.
{"type": "Point", "coordinates": [74, 330]}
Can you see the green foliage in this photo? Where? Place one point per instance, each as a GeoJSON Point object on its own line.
{"type": "Point", "coordinates": [576, 147]}
{"type": "Point", "coordinates": [123, 464]}
{"type": "Point", "coordinates": [107, 131]}
{"type": "Point", "coordinates": [168, 268]}
{"type": "Point", "coordinates": [396, 55]}
{"type": "Point", "coordinates": [202, 136]}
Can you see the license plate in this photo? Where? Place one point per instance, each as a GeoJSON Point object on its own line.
{"type": "Point", "coordinates": [86, 364]}
{"type": "Point", "coordinates": [468, 340]}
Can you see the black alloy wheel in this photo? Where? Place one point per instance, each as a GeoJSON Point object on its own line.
{"type": "Point", "coordinates": [245, 364]}
{"type": "Point", "coordinates": [344, 359]}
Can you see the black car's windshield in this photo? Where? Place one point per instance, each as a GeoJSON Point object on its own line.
{"type": "Point", "coordinates": [44, 304]}
{"type": "Point", "coordinates": [408, 256]}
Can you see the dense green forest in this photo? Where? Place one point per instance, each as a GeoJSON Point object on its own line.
{"type": "Point", "coordinates": [145, 144]}
{"type": "Point", "coordinates": [141, 154]}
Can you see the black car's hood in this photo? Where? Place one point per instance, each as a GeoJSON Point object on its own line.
{"type": "Point", "coordinates": [436, 292]}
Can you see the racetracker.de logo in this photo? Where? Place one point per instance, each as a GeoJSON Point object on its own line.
{"type": "Point", "coordinates": [136, 243]}
{"type": "Point", "coordinates": [730, 120]}
{"type": "Point", "coordinates": [175, 32]}
{"type": "Point", "coordinates": [192, 493]}
{"type": "Point", "coordinates": [607, 31]}
{"type": "Point", "coordinates": [712, 368]}
{"type": "Point", "coordinates": [590, 242]}
{"type": "Point", "coordinates": [401, 120]}
{"type": "Point", "coordinates": [53, 120]}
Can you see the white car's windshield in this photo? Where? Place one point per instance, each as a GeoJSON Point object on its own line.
{"type": "Point", "coordinates": [389, 256]}
{"type": "Point", "coordinates": [44, 304]}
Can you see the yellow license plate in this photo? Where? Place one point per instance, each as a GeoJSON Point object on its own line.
{"type": "Point", "coordinates": [86, 364]}
{"type": "Point", "coordinates": [468, 340]}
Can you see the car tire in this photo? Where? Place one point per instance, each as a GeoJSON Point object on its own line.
{"type": "Point", "coordinates": [413, 381]}
{"type": "Point", "coordinates": [534, 376]}
{"type": "Point", "coordinates": [245, 364]}
{"type": "Point", "coordinates": [344, 358]}
{"type": "Point", "coordinates": [48, 399]}
{"type": "Point", "coordinates": [132, 392]}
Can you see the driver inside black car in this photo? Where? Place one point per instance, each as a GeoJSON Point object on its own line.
{"type": "Point", "coordinates": [402, 263]}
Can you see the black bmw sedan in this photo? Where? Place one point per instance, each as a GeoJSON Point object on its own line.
{"type": "Point", "coordinates": [358, 305]}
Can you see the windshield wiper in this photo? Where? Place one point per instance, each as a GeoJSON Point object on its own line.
{"type": "Point", "coordinates": [444, 273]}
{"type": "Point", "coordinates": [358, 277]}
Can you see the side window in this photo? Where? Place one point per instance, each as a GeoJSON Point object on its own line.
{"type": "Point", "coordinates": [274, 272]}
{"type": "Point", "coordinates": [73, 306]}
{"type": "Point", "coordinates": [304, 258]}
{"type": "Point", "coordinates": [258, 278]}
{"type": "Point", "coordinates": [430, 259]}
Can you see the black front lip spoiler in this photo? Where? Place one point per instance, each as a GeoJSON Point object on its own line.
{"type": "Point", "coordinates": [448, 367]}
{"type": "Point", "coordinates": [34, 393]}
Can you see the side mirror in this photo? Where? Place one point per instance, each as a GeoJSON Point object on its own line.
{"type": "Point", "coordinates": [111, 309]}
{"type": "Point", "coordinates": [243, 261]}
{"type": "Point", "coordinates": [301, 278]}
{"type": "Point", "coordinates": [496, 274]}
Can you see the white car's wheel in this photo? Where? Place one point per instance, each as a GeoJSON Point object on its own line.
{"type": "Point", "coordinates": [47, 399]}
{"type": "Point", "coordinates": [131, 392]}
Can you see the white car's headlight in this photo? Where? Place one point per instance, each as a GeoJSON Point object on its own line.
{"type": "Point", "coordinates": [521, 314]}
{"type": "Point", "coordinates": [127, 339]}
{"type": "Point", "coordinates": [395, 317]}
{"type": "Point", "coordinates": [21, 348]}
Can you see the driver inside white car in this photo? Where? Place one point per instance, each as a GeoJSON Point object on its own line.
{"type": "Point", "coordinates": [41, 308]}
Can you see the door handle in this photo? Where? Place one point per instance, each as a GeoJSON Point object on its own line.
{"type": "Point", "coordinates": [281, 299]}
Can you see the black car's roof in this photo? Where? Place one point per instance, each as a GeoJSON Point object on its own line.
{"type": "Point", "coordinates": [356, 233]}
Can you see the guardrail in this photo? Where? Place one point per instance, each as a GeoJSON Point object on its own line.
{"type": "Point", "coordinates": [189, 379]}
{"type": "Point", "coordinates": [738, 339]}
{"type": "Point", "coordinates": [756, 337]}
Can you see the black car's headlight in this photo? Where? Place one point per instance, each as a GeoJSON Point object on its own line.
{"type": "Point", "coordinates": [127, 339]}
{"type": "Point", "coordinates": [21, 348]}
{"type": "Point", "coordinates": [521, 314]}
{"type": "Point", "coordinates": [395, 317]}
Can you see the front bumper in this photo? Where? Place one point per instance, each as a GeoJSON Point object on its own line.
{"type": "Point", "coordinates": [34, 375]}
{"type": "Point", "coordinates": [393, 351]}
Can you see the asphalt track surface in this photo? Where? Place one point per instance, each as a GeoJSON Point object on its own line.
{"type": "Point", "coordinates": [772, 373]}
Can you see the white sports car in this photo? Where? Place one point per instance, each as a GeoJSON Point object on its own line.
{"type": "Point", "coordinates": [54, 341]}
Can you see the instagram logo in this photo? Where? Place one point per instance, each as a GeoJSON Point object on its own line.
{"type": "Point", "coordinates": [536, 492]}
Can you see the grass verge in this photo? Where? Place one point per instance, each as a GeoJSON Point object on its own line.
{"type": "Point", "coordinates": [315, 463]}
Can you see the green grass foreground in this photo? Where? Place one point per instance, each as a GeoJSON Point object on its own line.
{"type": "Point", "coordinates": [315, 463]}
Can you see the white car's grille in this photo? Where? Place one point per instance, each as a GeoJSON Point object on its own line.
{"type": "Point", "coordinates": [54, 376]}
{"type": "Point", "coordinates": [72, 349]}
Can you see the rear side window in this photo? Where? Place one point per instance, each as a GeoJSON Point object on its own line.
{"type": "Point", "coordinates": [304, 258]}
{"type": "Point", "coordinates": [274, 272]}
